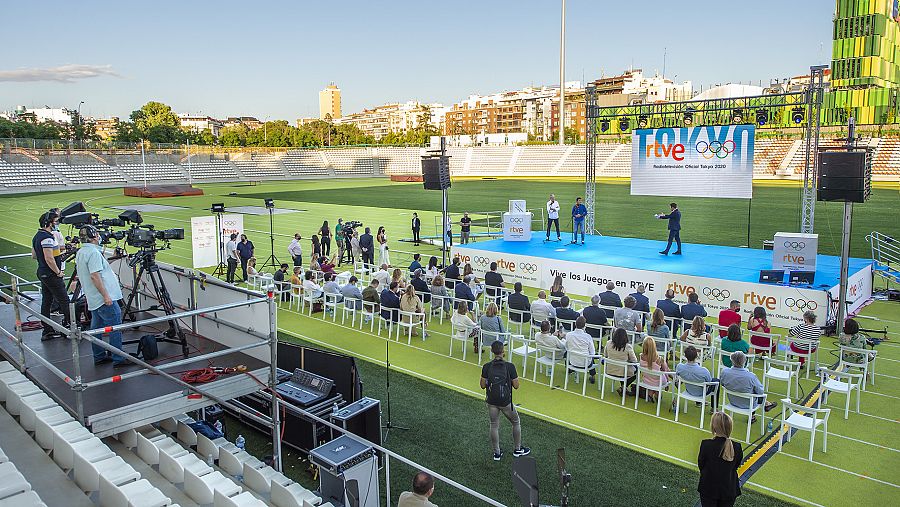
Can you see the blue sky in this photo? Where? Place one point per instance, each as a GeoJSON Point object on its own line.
{"type": "Point", "coordinates": [270, 58]}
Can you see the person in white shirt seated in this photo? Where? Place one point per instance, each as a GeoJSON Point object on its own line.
{"type": "Point", "coordinates": [542, 310]}
{"type": "Point", "coordinates": [310, 287]}
{"type": "Point", "coordinates": [332, 287]}
{"type": "Point", "coordinates": [548, 339]}
{"type": "Point", "coordinates": [580, 347]}
{"type": "Point", "coordinates": [383, 276]}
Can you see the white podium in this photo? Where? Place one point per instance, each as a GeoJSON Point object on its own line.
{"type": "Point", "coordinates": [516, 226]}
{"type": "Point", "coordinates": [794, 251]}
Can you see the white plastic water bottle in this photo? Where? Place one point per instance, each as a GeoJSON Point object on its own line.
{"type": "Point", "coordinates": [209, 460]}
{"type": "Point", "coordinates": [240, 442]}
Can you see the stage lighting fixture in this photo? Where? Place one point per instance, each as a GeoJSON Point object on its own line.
{"type": "Point", "coordinates": [737, 116]}
{"type": "Point", "coordinates": [762, 117]}
{"type": "Point", "coordinates": [269, 203]}
{"type": "Point", "coordinates": [604, 125]}
{"type": "Point", "coordinates": [217, 207]}
{"type": "Point", "coordinates": [643, 121]}
{"type": "Point", "coordinates": [623, 124]}
{"type": "Point", "coordinates": [797, 114]}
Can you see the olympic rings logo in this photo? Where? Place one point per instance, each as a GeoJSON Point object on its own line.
{"type": "Point", "coordinates": [480, 261]}
{"type": "Point", "coordinates": [717, 294]}
{"type": "Point", "coordinates": [795, 245]}
{"type": "Point", "coordinates": [799, 305]}
{"type": "Point", "coordinates": [715, 149]}
{"type": "Point", "coordinates": [527, 267]}
{"type": "Point", "coordinates": [516, 220]}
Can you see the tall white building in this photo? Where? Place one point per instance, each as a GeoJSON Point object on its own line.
{"type": "Point", "coordinates": [199, 123]}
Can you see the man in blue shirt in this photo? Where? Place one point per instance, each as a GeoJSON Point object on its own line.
{"type": "Point", "coordinates": [694, 372]}
{"type": "Point", "coordinates": [674, 218]}
{"type": "Point", "coordinates": [415, 264]}
{"type": "Point", "coordinates": [692, 309]}
{"type": "Point", "coordinates": [579, 211]}
{"type": "Point", "coordinates": [739, 379]}
{"type": "Point", "coordinates": [102, 291]}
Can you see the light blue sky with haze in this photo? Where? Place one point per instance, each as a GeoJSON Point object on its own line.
{"type": "Point", "coordinates": [270, 58]}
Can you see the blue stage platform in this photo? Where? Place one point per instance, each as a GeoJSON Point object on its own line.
{"type": "Point", "coordinates": [707, 261]}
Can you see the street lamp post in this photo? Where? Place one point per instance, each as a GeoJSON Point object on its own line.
{"type": "Point", "coordinates": [562, 77]}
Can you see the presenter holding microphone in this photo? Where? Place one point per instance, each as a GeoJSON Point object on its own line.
{"type": "Point", "coordinates": [579, 211]}
{"type": "Point", "coordinates": [674, 218]}
{"type": "Point", "coordinates": [553, 216]}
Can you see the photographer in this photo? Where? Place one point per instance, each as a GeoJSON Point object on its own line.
{"type": "Point", "coordinates": [102, 291]}
{"type": "Point", "coordinates": [53, 287]}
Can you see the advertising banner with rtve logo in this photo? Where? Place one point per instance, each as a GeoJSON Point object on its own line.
{"type": "Point", "coordinates": [693, 161]}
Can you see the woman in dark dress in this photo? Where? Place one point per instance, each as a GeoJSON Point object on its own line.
{"type": "Point", "coordinates": [718, 461]}
{"type": "Point", "coordinates": [325, 232]}
{"type": "Point", "coordinates": [316, 248]}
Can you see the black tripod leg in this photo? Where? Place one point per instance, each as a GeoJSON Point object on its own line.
{"type": "Point", "coordinates": [159, 286]}
{"type": "Point", "coordinates": [134, 291]}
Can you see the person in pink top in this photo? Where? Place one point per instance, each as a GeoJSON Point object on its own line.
{"type": "Point", "coordinates": [759, 322]}
{"type": "Point", "coordinates": [651, 360]}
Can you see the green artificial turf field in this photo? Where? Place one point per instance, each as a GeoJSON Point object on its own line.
{"type": "Point", "coordinates": [862, 459]}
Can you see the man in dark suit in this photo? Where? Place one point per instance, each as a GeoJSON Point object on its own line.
{"type": "Point", "coordinates": [565, 313]}
{"type": "Point", "coordinates": [421, 285]}
{"type": "Point", "coordinates": [610, 298]}
{"type": "Point", "coordinates": [520, 302]}
{"type": "Point", "coordinates": [416, 226]}
{"type": "Point", "coordinates": [641, 302]}
{"type": "Point", "coordinates": [367, 247]}
{"type": "Point", "coordinates": [692, 309]}
{"type": "Point", "coordinates": [390, 302]}
{"type": "Point", "coordinates": [463, 291]}
{"type": "Point", "coordinates": [452, 271]}
{"type": "Point", "coordinates": [670, 309]}
{"type": "Point", "coordinates": [493, 279]}
{"type": "Point", "coordinates": [595, 316]}
{"type": "Point", "coordinates": [674, 218]}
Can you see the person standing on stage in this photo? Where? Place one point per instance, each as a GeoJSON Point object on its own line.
{"type": "Point", "coordinates": [53, 285]}
{"type": "Point", "coordinates": [553, 216]}
{"type": "Point", "coordinates": [245, 248]}
{"type": "Point", "coordinates": [674, 218]}
{"type": "Point", "coordinates": [579, 211]}
{"type": "Point", "coordinates": [465, 225]}
{"type": "Point", "coordinates": [416, 227]}
{"type": "Point", "coordinates": [339, 240]}
{"type": "Point", "coordinates": [367, 248]}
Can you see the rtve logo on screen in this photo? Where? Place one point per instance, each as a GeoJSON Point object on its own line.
{"type": "Point", "coordinates": [676, 144]}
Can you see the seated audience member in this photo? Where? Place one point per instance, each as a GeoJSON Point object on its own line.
{"type": "Point", "coordinates": [468, 271]}
{"type": "Point", "coordinates": [729, 316]}
{"type": "Point", "coordinates": [759, 322]}
{"type": "Point", "coordinates": [733, 343]}
{"type": "Point", "coordinates": [659, 329]}
{"type": "Point", "coordinates": [541, 310]}
{"type": "Point", "coordinates": [332, 287]}
{"type": "Point", "coordinates": [618, 349]}
{"type": "Point", "coordinates": [671, 309]}
{"type": "Point", "coordinates": [642, 302]}
{"type": "Point", "coordinates": [314, 264]}
{"type": "Point", "coordinates": [464, 291]}
{"type": "Point", "coordinates": [383, 276]}
{"type": "Point", "coordinates": [490, 321]}
{"type": "Point", "coordinates": [548, 339]}
{"type": "Point", "coordinates": [595, 316]}
{"type": "Point", "coordinates": [627, 318]}
{"type": "Point", "coordinates": [415, 264]}
{"type": "Point", "coordinates": [462, 321]}
{"type": "Point", "coordinates": [610, 298]}
{"type": "Point", "coordinates": [420, 496]}
{"type": "Point", "coordinates": [697, 334]}
{"type": "Point", "coordinates": [410, 303]}
{"type": "Point", "coordinates": [251, 267]}
{"type": "Point", "coordinates": [492, 282]}
{"type": "Point", "coordinates": [580, 347]}
{"type": "Point", "coordinates": [296, 278]}
{"type": "Point", "coordinates": [475, 285]}
{"type": "Point", "coordinates": [326, 265]}
{"type": "Point", "coordinates": [557, 291]}
{"type": "Point", "coordinates": [440, 299]}
{"type": "Point", "coordinates": [371, 294]}
{"type": "Point", "coordinates": [310, 287]}
{"type": "Point", "coordinates": [564, 312]}
{"type": "Point", "coordinates": [421, 286]}
{"type": "Point", "coordinates": [352, 295]}
{"type": "Point", "coordinates": [452, 271]}
{"type": "Point", "coordinates": [397, 276]}
{"type": "Point", "coordinates": [808, 330]}
{"type": "Point", "coordinates": [651, 360]}
{"type": "Point", "coordinates": [520, 302]}
{"type": "Point", "coordinates": [692, 371]}
{"type": "Point", "coordinates": [280, 284]}
{"type": "Point", "coordinates": [390, 302]}
{"type": "Point", "coordinates": [718, 461]}
{"type": "Point", "coordinates": [432, 270]}
{"type": "Point", "coordinates": [851, 337]}
{"type": "Point", "coordinates": [739, 379]}
{"type": "Point", "coordinates": [692, 309]}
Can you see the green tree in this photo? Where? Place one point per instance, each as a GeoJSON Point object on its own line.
{"type": "Point", "coordinates": [233, 136]}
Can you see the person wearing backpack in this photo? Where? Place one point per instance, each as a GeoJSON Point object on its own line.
{"type": "Point", "coordinates": [498, 379]}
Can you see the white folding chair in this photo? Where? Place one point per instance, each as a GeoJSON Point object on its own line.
{"type": "Point", "coordinates": [311, 300]}
{"type": "Point", "coordinates": [841, 382]}
{"type": "Point", "coordinates": [623, 377]}
{"type": "Point", "coordinates": [410, 321]}
{"type": "Point", "coordinates": [388, 321]}
{"type": "Point", "coordinates": [460, 334]}
{"type": "Point", "coordinates": [806, 349]}
{"type": "Point", "coordinates": [526, 349]}
{"type": "Point", "coordinates": [783, 371]}
{"type": "Point", "coordinates": [369, 311]}
{"type": "Point", "coordinates": [704, 352]}
{"type": "Point", "coordinates": [587, 367]}
{"type": "Point", "coordinates": [756, 403]}
{"type": "Point", "coordinates": [549, 358]}
{"type": "Point", "coordinates": [663, 383]}
{"type": "Point", "coordinates": [722, 354]}
{"type": "Point", "coordinates": [351, 306]}
{"type": "Point", "coordinates": [707, 389]}
{"type": "Point", "coordinates": [774, 340]}
{"type": "Point", "coordinates": [860, 359]}
{"type": "Point", "coordinates": [330, 302]}
{"type": "Point", "coordinates": [805, 419]}
{"type": "Point", "coordinates": [523, 316]}
{"type": "Point", "coordinates": [296, 297]}
{"type": "Point", "coordinates": [565, 324]}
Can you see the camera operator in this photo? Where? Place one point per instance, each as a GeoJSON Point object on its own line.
{"type": "Point", "coordinates": [103, 293]}
{"type": "Point", "coordinates": [53, 287]}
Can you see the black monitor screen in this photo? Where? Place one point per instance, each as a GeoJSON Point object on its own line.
{"type": "Point", "coordinates": [803, 277]}
{"type": "Point", "coordinates": [771, 276]}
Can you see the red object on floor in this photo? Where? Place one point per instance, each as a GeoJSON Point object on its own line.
{"type": "Point", "coordinates": [162, 191]}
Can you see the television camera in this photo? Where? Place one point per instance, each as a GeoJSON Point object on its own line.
{"type": "Point", "coordinates": [350, 226]}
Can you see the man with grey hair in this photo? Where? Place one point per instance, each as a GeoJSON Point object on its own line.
{"type": "Point", "coordinates": [738, 379]}
{"type": "Point", "coordinates": [594, 316]}
{"type": "Point", "coordinates": [542, 310]}
{"type": "Point", "coordinates": [642, 302]}
{"type": "Point", "coordinates": [627, 318]}
{"type": "Point", "coordinates": [610, 298]}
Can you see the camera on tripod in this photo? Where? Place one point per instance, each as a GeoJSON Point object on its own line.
{"type": "Point", "coordinates": [145, 236]}
{"type": "Point", "coordinates": [350, 226]}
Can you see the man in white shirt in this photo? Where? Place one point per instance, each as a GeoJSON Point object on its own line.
{"type": "Point", "coordinates": [231, 257]}
{"type": "Point", "coordinates": [295, 251]}
{"type": "Point", "coordinates": [580, 347]}
{"type": "Point", "coordinates": [553, 216]}
{"type": "Point", "coordinates": [542, 310]}
{"type": "Point", "coordinates": [382, 275]}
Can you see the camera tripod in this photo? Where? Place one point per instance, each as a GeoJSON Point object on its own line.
{"type": "Point", "coordinates": [146, 257]}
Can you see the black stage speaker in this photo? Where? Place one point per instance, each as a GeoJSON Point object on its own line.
{"type": "Point", "coordinates": [843, 176]}
{"type": "Point", "coordinates": [436, 173]}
